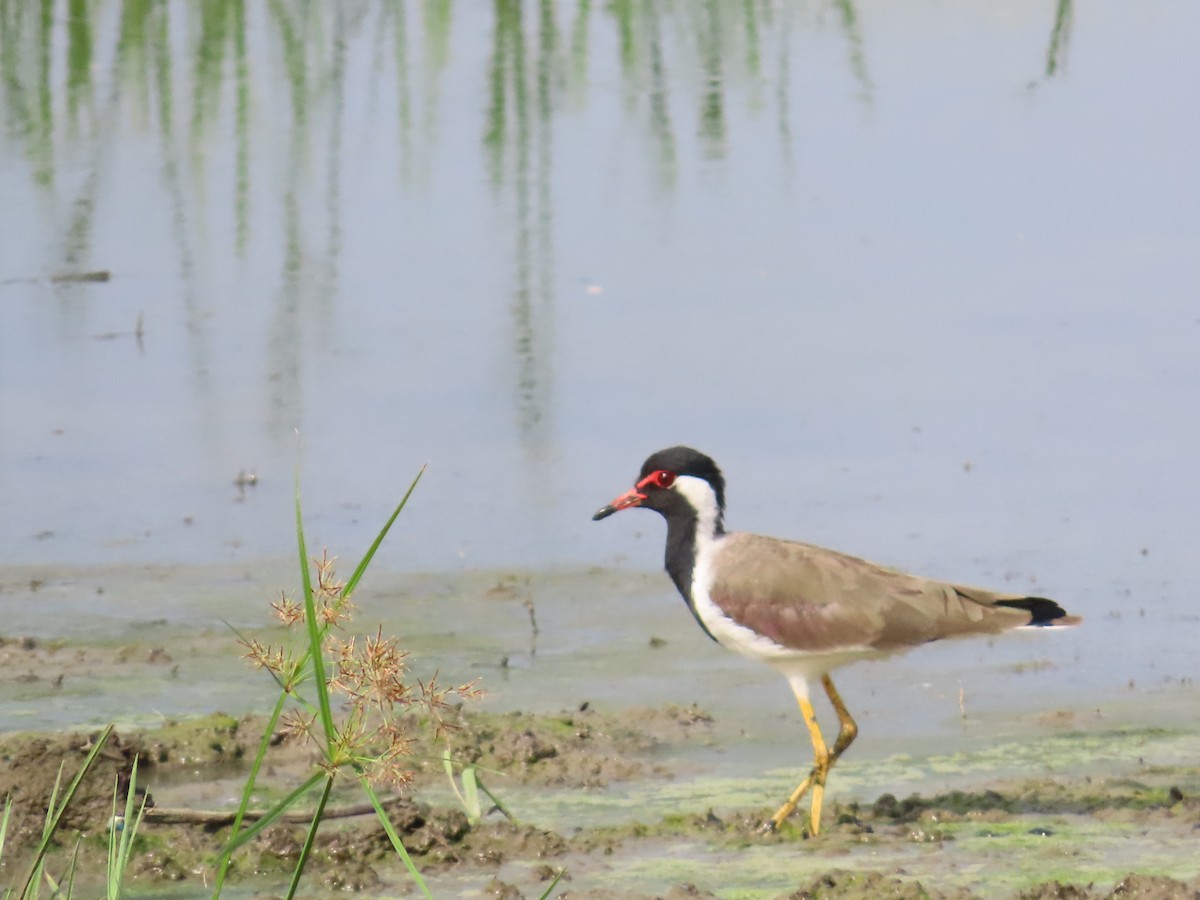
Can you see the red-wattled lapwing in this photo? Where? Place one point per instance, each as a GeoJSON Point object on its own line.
{"type": "Point", "coordinates": [802, 609]}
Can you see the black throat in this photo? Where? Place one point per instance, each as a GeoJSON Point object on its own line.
{"type": "Point", "coordinates": [681, 556]}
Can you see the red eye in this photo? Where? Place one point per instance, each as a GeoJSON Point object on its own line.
{"type": "Point", "coordinates": [660, 478]}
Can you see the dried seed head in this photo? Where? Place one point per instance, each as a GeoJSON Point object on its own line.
{"type": "Point", "coordinates": [287, 610]}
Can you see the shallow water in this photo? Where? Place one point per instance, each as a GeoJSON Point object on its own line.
{"type": "Point", "coordinates": [921, 279]}
{"type": "Point", "coordinates": [958, 695]}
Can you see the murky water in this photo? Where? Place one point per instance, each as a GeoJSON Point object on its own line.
{"type": "Point", "coordinates": [922, 278]}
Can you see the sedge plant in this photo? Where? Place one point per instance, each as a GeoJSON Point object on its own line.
{"type": "Point", "coordinates": [370, 743]}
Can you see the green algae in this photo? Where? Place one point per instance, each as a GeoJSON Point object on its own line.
{"type": "Point", "coordinates": [618, 798]}
{"type": "Point", "coordinates": [212, 740]}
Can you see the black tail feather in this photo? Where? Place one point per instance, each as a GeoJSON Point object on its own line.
{"type": "Point", "coordinates": [1043, 611]}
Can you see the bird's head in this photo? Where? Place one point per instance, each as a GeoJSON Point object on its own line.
{"type": "Point", "coordinates": [678, 481]}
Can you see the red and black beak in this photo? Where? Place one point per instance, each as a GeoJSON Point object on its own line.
{"type": "Point", "coordinates": [625, 501]}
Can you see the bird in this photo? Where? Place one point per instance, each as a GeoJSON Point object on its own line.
{"type": "Point", "coordinates": [802, 609]}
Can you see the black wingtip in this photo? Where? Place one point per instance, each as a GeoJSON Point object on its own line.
{"type": "Point", "coordinates": [1043, 612]}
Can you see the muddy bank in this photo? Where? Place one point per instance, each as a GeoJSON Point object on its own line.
{"type": "Point", "coordinates": [1039, 837]}
{"type": "Point", "coordinates": [632, 801]}
{"type": "Point", "coordinates": [193, 771]}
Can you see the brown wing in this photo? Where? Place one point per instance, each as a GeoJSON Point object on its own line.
{"type": "Point", "coordinates": [817, 600]}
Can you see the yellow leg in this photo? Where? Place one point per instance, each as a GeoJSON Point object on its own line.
{"type": "Point", "coordinates": [847, 728]}
{"type": "Point", "coordinates": [823, 757]}
{"type": "Point", "coordinates": [815, 779]}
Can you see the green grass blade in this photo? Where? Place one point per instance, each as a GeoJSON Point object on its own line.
{"type": "Point", "coordinates": [472, 784]}
{"type": "Point", "coordinates": [311, 837]}
{"type": "Point", "coordinates": [113, 839]}
{"type": "Point", "coordinates": [393, 837]}
{"type": "Point", "coordinates": [273, 815]}
{"type": "Point", "coordinates": [471, 796]}
{"type": "Point", "coordinates": [4, 823]}
{"type": "Point", "coordinates": [120, 840]}
{"type": "Point", "coordinates": [315, 632]}
{"type": "Point", "coordinates": [247, 793]}
{"type": "Point", "coordinates": [72, 868]}
{"type": "Point", "coordinates": [366, 560]}
{"type": "Point", "coordinates": [448, 765]}
{"type": "Point", "coordinates": [54, 816]}
{"type": "Point", "coordinates": [468, 797]}
{"type": "Point", "coordinates": [557, 878]}
{"type": "Point", "coordinates": [495, 801]}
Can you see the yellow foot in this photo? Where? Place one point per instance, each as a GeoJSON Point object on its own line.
{"type": "Point", "coordinates": [770, 827]}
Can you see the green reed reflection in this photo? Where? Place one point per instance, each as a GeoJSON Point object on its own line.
{"type": "Point", "coordinates": [48, 101]}
{"type": "Point", "coordinates": [853, 31]}
{"type": "Point", "coordinates": [523, 79]}
{"type": "Point", "coordinates": [1064, 16]}
{"type": "Point", "coordinates": [257, 96]}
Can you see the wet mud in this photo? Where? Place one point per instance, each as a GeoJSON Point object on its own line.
{"type": "Point", "coordinates": [1045, 837]}
{"type": "Point", "coordinates": [624, 793]}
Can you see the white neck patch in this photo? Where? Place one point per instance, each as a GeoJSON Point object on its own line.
{"type": "Point", "coordinates": [703, 498]}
